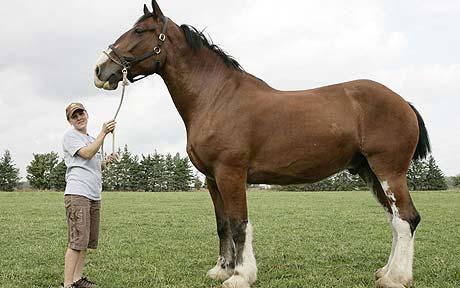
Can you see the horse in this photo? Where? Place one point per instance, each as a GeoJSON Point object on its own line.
{"type": "Point", "coordinates": [242, 131]}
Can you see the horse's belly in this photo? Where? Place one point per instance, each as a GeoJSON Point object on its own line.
{"type": "Point", "coordinates": [301, 172]}
{"type": "Point", "coordinates": [308, 164]}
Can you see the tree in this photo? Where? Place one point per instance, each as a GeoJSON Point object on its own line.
{"type": "Point", "coordinates": [9, 174]}
{"type": "Point", "coordinates": [128, 166]}
{"type": "Point", "coordinates": [456, 181]}
{"type": "Point", "coordinates": [416, 175]}
{"type": "Point", "coordinates": [158, 172]}
{"type": "Point", "coordinates": [165, 173]}
{"type": "Point", "coordinates": [183, 174]}
{"type": "Point", "coordinates": [40, 168]}
{"type": "Point", "coordinates": [434, 178]}
{"type": "Point", "coordinates": [344, 181]}
{"type": "Point", "coordinates": [168, 184]}
{"type": "Point", "coordinates": [124, 175]}
{"type": "Point", "coordinates": [425, 175]}
{"type": "Point", "coordinates": [57, 176]}
{"type": "Point", "coordinates": [151, 171]}
{"type": "Point", "coordinates": [197, 183]}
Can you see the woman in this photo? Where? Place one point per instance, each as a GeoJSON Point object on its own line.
{"type": "Point", "coordinates": [82, 195]}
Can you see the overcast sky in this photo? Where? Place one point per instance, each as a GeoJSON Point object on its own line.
{"type": "Point", "coordinates": [49, 48]}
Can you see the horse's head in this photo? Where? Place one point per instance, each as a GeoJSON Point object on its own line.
{"type": "Point", "coordinates": [138, 51]}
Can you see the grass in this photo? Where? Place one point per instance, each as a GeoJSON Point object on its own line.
{"type": "Point", "coordinates": [331, 239]}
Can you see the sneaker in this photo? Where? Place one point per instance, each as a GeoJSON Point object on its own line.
{"type": "Point", "coordinates": [84, 283]}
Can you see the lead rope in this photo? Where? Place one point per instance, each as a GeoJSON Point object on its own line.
{"type": "Point", "coordinates": [124, 83]}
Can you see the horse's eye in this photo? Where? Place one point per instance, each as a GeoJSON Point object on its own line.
{"type": "Point", "coordinates": [138, 30]}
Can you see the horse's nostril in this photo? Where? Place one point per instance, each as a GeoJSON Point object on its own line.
{"type": "Point", "coordinates": [97, 70]}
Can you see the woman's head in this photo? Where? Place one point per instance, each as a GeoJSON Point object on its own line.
{"type": "Point", "coordinates": [77, 116]}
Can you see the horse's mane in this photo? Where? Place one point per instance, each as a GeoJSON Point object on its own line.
{"type": "Point", "coordinates": [196, 40]}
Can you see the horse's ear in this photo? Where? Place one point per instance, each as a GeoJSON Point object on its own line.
{"type": "Point", "coordinates": [156, 9]}
{"type": "Point", "coordinates": [146, 10]}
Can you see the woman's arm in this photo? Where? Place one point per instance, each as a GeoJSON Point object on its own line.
{"type": "Point", "coordinates": [90, 150]}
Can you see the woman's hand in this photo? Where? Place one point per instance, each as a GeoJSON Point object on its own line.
{"type": "Point", "coordinates": [108, 127]}
{"type": "Point", "coordinates": [111, 158]}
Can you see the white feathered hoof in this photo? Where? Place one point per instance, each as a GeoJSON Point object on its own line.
{"type": "Point", "coordinates": [236, 281]}
{"type": "Point", "coordinates": [386, 282]}
{"type": "Point", "coordinates": [218, 273]}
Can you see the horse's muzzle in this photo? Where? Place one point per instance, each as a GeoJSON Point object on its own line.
{"type": "Point", "coordinates": [107, 83]}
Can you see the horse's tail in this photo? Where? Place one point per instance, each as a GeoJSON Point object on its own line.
{"type": "Point", "coordinates": [423, 145]}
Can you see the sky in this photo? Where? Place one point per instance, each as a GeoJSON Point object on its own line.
{"type": "Point", "coordinates": [49, 49]}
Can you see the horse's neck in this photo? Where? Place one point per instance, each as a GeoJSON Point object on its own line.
{"type": "Point", "coordinates": [196, 81]}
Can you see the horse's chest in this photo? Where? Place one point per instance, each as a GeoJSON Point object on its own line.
{"type": "Point", "coordinates": [199, 158]}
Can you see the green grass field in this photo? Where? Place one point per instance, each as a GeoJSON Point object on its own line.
{"type": "Point", "coordinates": [330, 239]}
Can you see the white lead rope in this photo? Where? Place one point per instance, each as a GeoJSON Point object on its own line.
{"type": "Point", "coordinates": [124, 83]}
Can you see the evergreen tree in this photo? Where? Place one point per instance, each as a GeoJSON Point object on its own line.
{"type": "Point", "coordinates": [146, 181]}
{"type": "Point", "coordinates": [186, 174]}
{"type": "Point", "coordinates": [416, 174]}
{"type": "Point", "coordinates": [183, 174]}
{"type": "Point", "coordinates": [130, 170]}
{"type": "Point", "coordinates": [435, 179]}
{"type": "Point", "coordinates": [39, 170]}
{"type": "Point", "coordinates": [111, 176]}
{"type": "Point", "coordinates": [57, 176]}
{"type": "Point", "coordinates": [159, 172]}
{"type": "Point", "coordinates": [124, 175]}
{"type": "Point", "coordinates": [9, 174]}
{"type": "Point", "coordinates": [456, 181]}
{"type": "Point", "coordinates": [151, 171]}
{"type": "Point", "coordinates": [176, 173]}
{"type": "Point", "coordinates": [344, 181]}
{"type": "Point", "coordinates": [425, 175]}
{"type": "Point", "coordinates": [197, 183]}
{"type": "Point", "coordinates": [168, 175]}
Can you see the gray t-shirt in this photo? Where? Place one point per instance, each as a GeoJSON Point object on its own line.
{"type": "Point", "coordinates": [83, 176]}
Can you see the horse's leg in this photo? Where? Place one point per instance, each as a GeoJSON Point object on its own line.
{"type": "Point", "coordinates": [369, 177]}
{"type": "Point", "coordinates": [232, 188]}
{"type": "Point", "coordinates": [225, 262]}
{"type": "Point", "coordinates": [404, 220]}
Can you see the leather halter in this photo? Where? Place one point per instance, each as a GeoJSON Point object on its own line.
{"type": "Point", "coordinates": [127, 62]}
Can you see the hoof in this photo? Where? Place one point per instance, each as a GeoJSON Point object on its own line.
{"type": "Point", "coordinates": [386, 282]}
{"type": "Point", "coordinates": [236, 281]}
{"type": "Point", "coordinates": [218, 273]}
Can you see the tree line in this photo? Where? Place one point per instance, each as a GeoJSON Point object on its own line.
{"type": "Point", "coordinates": [151, 172]}
{"type": "Point", "coordinates": [164, 172]}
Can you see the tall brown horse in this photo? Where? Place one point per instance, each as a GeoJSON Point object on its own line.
{"type": "Point", "coordinates": [240, 130]}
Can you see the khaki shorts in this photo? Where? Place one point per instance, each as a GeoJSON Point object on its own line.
{"type": "Point", "coordinates": [82, 222]}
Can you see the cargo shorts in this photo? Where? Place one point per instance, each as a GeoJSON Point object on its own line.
{"type": "Point", "coordinates": [82, 222]}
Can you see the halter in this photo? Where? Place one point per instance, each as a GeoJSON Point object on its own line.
{"type": "Point", "coordinates": [127, 62]}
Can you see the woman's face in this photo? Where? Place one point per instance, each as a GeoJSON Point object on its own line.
{"type": "Point", "coordinates": [79, 120]}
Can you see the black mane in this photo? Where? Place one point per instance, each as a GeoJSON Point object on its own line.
{"type": "Point", "coordinates": [196, 40]}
